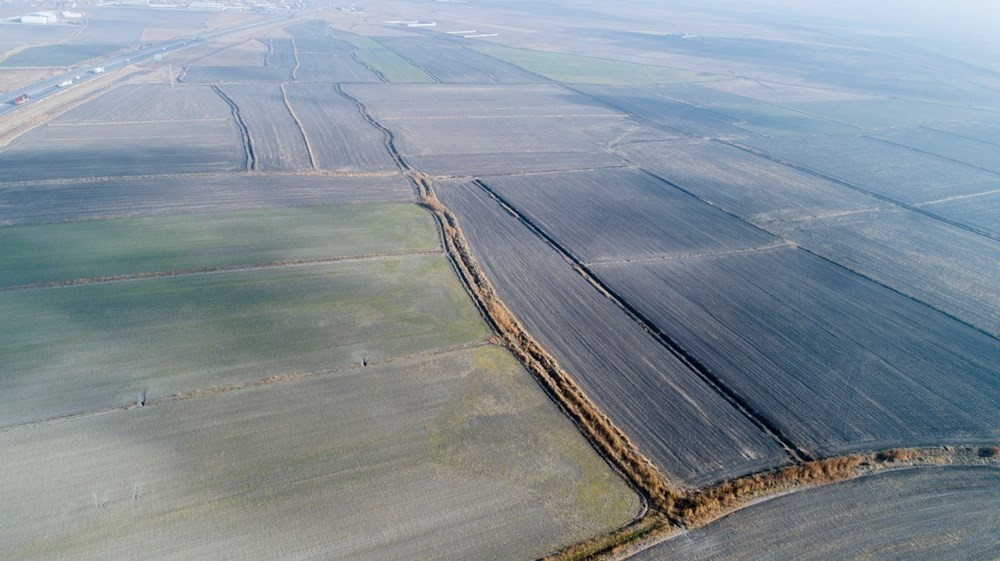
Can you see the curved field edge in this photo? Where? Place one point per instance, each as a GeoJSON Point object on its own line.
{"type": "Point", "coordinates": [704, 506]}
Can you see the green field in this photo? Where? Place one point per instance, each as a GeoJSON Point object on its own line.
{"type": "Point", "coordinates": [392, 67]}
{"type": "Point", "coordinates": [91, 347]}
{"type": "Point", "coordinates": [452, 456]}
{"type": "Point", "coordinates": [61, 252]}
{"type": "Point", "coordinates": [590, 70]}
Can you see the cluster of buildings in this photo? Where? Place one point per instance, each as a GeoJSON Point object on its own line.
{"type": "Point", "coordinates": [43, 18]}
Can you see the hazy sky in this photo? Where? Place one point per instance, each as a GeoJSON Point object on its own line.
{"type": "Point", "coordinates": [948, 15]}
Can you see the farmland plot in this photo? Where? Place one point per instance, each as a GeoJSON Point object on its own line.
{"type": "Point", "coordinates": [620, 215]}
{"type": "Point", "coordinates": [951, 146]}
{"type": "Point", "coordinates": [928, 513]}
{"type": "Point", "coordinates": [485, 131]}
{"type": "Point", "coordinates": [250, 52]}
{"type": "Point", "coordinates": [324, 59]}
{"type": "Point", "coordinates": [980, 211]}
{"type": "Point", "coordinates": [64, 54]}
{"type": "Point", "coordinates": [149, 102]}
{"type": "Point", "coordinates": [34, 203]}
{"type": "Point", "coordinates": [13, 36]}
{"type": "Point", "coordinates": [891, 171]}
{"type": "Point", "coordinates": [983, 132]}
{"type": "Point", "coordinates": [452, 62]}
{"type": "Point", "coordinates": [338, 135]}
{"type": "Point", "coordinates": [280, 52]}
{"type": "Point", "coordinates": [750, 114]}
{"type": "Point", "coordinates": [277, 141]}
{"type": "Point", "coordinates": [474, 101]}
{"type": "Point", "coordinates": [835, 361]}
{"type": "Point", "coordinates": [224, 74]}
{"type": "Point", "coordinates": [947, 267]}
{"type": "Point", "coordinates": [753, 188]}
{"type": "Point", "coordinates": [97, 345]}
{"type": "Point", "coordinates": [122, 149]}
{"type": "Point", "coordinates": [654, 105]}
{"type": "Point", "coordinates": [391, 66]}
{"type": "Point", "coordinates": [102, 248]}
{"type": "Point", "coordinates": [456, 455]}
{"type": "Point", "coordinates": [686, 429]}
{"type": "Point", "coordinates": [884, 113]}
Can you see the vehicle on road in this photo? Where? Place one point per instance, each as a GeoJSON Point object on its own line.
{"type": "Point", "coordinates": [23, 98]}
{"type": "Point", "coordinates": [98, 69]}
{"type": "Point", "coordinates": [67, 82]}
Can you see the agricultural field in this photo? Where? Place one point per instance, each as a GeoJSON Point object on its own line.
{"type": "Point", "coordinates": [884, 113]}
{"type": "Point", "coordinates": [120, 198]}
{"type": "Point", "coordinates": [14, 37]}
{"type": "Point", "coordinates": [224, 74]}
{"type": "Point", "coordinates": [951, 146]}
{"type": "Point", "coordinates": [276, 471]}
{"type": "Point", "coordinates": [85, 150]}
{"type": "Point", "coordinates": [339, 137]}
{"type": "Point", "coordinates": [450, 61]}
{"type": "Point", "coordinates": [321, 58]}
{"type": "Point", "coordinates": [150, 103]}
{"type": "Point", "coordinates": [392, 67]}
{"type": "Point", "coordinates": [686, 429]}
{"type": "Point", "coordinates": [653, 105]}
{"type": "Point", "coordinates": [576, 69]}
{"type": "Point", "coordinates": [803, 340]}
{"type": "Point", "coordinates": [57, 55]}
{"type": "Point", "coordinates": [983, 132]}
{"type": "Point", "coordinates": [878, 167]}
{"type": "Point", "coordinates": [949, 268]}
{"type": "Point", "coordinates": [496, 128]}
{"type": "Point", "coordinates": [280, 52]}
{"type": "Point", "coordinates": [164, 244]}
{"type": "Point", "coordinates": [928, 513]}
{"type": "Point", "coordinates": [276, 139]}
{"type": "Point", "coordinates": [625, 214]}
{"type": "Point", "coordinates": [753, 188]}
{"type": "Point", "coordinates": [250, 52]}
{"type": "Point", "coordinates": [979, 211]}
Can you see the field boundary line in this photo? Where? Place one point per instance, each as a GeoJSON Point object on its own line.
{"type": "Point", "coordinates": [934, 154]}
{"type": "Point", "coordinates": [298, 123]}
{"type": "Point", "coordinates": [143, 177]}
{"type": "Point", "coordinates": [250, 160]}
{"type": "Point", "coordinates": [142, 402]}
{"type": "Point", "coordinates": [716, 384]}
{"type": "Point", "coordinates": [221, 269]}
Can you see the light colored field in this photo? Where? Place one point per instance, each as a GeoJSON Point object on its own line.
{"type": "Point", "coordinates": [917, 514]}
{"type": "Point", "coordinates": [104, 248]}
{"type": "Point", "coordinates": [93, 347]}
{"type": "Point", "coordinates": [577, 69]}
{"type": "Point", "coordinates": [454, 456]}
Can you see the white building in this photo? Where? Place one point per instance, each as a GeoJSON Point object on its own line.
{"type": "Point", "coordinates": [40, 18]}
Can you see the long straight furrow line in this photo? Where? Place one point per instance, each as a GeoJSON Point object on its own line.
{"type": "Point", "coordinates": [737, 401]}
{"type": "Point", "coordinates": [250, 160]}
{"type": "Point", "coordinates": [218, 269]}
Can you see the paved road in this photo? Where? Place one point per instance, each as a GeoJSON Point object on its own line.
{"type": "Point", "coordinates": [44, 88]}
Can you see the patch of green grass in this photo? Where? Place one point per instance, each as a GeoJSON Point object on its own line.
{"type": "Point", "coordinates": [66, 251]}
{"type": "Point", "coordinates": [392, 67]}
{"type": "Point", "coordinates": [94, 346]}
{"type": "Point", "coordinates": [589, 70]}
